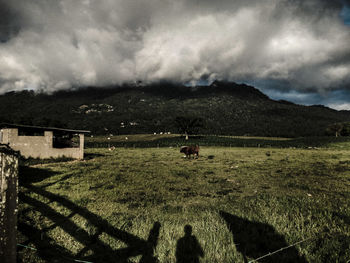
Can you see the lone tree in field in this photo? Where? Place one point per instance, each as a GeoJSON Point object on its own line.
{"type": "Point", "coordinates": [339, 129]}
{"type": "Point", "coordinates": [188, 125]}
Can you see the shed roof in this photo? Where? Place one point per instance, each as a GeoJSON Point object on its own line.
{"type": "Point", "coordinates": [38, 128]}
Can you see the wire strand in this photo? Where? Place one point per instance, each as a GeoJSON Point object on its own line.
{"type": "Point", "coordinates": [281, 249]}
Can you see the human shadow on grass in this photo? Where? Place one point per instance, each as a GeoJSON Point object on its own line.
{"type": "Point", "coordinates": [188, 249]}
{"type": "Point", "coordinates": [94, 249]}
{"type": "Point", "coordinates": [255, 239]}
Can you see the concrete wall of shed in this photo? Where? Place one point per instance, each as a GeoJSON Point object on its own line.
{"type": "Point", "coordinates": [40, 146]}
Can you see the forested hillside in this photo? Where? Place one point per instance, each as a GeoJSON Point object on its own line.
{"type": "Point", "coordinates": [224, 108]}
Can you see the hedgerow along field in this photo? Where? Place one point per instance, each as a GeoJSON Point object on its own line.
{"type": "Point", "coordinates": [133, 204]}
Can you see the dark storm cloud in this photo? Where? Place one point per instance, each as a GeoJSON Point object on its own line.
{"type": "Point", "coordinates": [9, 24]}
{"type": "Point", "coordinates": [57, 44]}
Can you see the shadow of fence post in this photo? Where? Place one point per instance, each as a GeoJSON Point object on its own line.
{"type": "Point", "coordinates": [99, 251]}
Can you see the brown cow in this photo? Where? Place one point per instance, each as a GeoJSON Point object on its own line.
{"type": "Point", "coordinates": [188, 150]}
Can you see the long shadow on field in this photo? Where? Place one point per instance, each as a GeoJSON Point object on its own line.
{"type": "Point", "coordinates": [29, 175]}
{"type": "Point", "coordinates": [94, 249]}
{"type": "Point", "coordinates": [188, 249]}
{"type": "Point", "coordinates": [254, 239]}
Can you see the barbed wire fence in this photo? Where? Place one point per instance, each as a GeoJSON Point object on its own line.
{"type": "Point", "coordinates": [282, 249]}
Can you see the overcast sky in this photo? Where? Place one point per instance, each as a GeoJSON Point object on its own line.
{"type": "Point", "coordinates": [297, 50]}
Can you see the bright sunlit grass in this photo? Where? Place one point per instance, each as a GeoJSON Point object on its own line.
{"type": "Point", "coordinates": [133, 204]}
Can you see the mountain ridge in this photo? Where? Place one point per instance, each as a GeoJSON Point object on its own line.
{"type": "Point", "coordinates": [225, 108]}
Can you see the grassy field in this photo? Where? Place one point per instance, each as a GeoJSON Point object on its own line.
{"type": "Point", "coordinates": [152, 205]}
{"type": "Point", "coordinates": [175, 140]}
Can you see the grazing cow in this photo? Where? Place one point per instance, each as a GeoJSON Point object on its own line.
{"type": "Point", "coordinates": [188, 150]}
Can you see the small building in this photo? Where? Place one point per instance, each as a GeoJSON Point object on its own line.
{"type": "Point", "coordinates": [43, 142]}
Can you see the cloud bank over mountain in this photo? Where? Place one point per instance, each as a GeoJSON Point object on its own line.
{"type": "Point", "coordinates": [58, 44]}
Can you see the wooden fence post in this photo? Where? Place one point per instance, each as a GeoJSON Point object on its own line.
{"type": "Point", "coordinates": [8, 204]}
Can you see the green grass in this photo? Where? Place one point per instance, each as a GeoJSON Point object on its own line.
{"type": "Point", "coordinates": [132, 204]}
